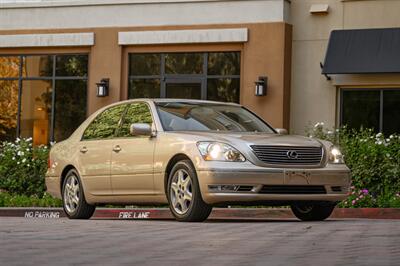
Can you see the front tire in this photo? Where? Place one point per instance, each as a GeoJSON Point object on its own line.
{"type": "Point", "coordinates": [73, 197]}
{"type": "Point", "coordinates": [313, 211]}
{"type": "Point", "coordinates": [184, 197]}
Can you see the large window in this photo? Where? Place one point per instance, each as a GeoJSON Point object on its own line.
{"type": "Point", "coordinates": [213, 76]}
{"type": "Point", "coordinates": [373, 108]}
{"type": "Point", "coordinates": [42, 96]}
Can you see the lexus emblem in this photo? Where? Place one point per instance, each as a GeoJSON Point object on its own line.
{"type": "Point", "coordinates": [292, 154]}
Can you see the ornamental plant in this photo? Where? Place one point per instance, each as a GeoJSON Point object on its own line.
{"type": "Point", "coordinates": [374, 161]}
{"type": "Point", "coordinates": [23, 167]}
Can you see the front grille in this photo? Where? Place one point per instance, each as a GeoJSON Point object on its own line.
{"type": "Point", "coordinates": [288, 155]}
{"type": "Point", "coordinates": [292, 189]}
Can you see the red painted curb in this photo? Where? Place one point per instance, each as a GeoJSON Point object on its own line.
{"type": "Point", "coordinates": [217, 213]}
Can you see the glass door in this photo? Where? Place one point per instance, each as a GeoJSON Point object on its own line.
{"type": "Point", "coordinates": [184, 88]}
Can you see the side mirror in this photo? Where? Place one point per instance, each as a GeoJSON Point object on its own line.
{"type": "Point", "coordinates": [141, 129]}
{"type": "Point", "coordinates": [281, 131]}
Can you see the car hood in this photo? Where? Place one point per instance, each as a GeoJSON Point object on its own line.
{"type": "Point", "coordinates": [257, 139]}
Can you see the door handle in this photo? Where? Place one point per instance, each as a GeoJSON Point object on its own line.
{"type": "Point", "coordinates": [117, 148]}
{"type": "Point", "coordinates": [83, 150]}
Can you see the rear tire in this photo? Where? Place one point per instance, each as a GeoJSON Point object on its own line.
{"type": "Point", "coordinates": [73, 197]}
{"type": "Point", "coordinates": [313, 211]}
{"type": "Point", "coordinates": [184, 197]}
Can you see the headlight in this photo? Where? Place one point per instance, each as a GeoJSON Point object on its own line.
{"type": "Point", "coordinates": [335, 155]}
{"type": "Point", "coordinates": [215, 151]}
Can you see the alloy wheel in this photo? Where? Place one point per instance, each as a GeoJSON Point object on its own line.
{"type": "Point", "coordinates": [181, 191]}
{"type": "Point", "coordinates": [71, 194]}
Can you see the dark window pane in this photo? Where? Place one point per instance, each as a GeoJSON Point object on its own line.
{"type": "Point", "coordinates": [8, 109]}
{"type": "Point", "coordinates": [9, 66]}
{"type": "Point", "coordinates": [144, 88]}
{"type": "Point", "coordinates": [183, 90]}
{"type": "Point", "coordinates": [361, 109]}
{"type": "Point", "coordinates": [136, 113]}
{"type": "Point", "coordinates": [36, 110]}
{"type": "Point", "coordinates": [184, 63]}
{"type": "Point", "coordinates": [223, 90]}
{"type": "Point", "coordinates": [224, 63]}
{"type": "Point", "coordinates": [391, 112]}
{"type": "Point", "coordinates": [70, 107]}
{"type": "Point", "coordinates": [71, 65]}
{"type": "Point", "coordinates": [144, 64]}
{"type": "Point", "coordinates": [37, 66]}
{"type": "Point", "coordinates": [105, 124]}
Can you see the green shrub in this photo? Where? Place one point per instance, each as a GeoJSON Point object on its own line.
{"type": "Point", "coordinates": [374, 162]}
{"type": "Point", "coordinates": [23, 167]}
{"type": "Point", "coordinates": [12, 200]}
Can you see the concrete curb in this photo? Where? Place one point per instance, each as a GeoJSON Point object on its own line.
{"type": "Point", "coordinates": [218, 213]}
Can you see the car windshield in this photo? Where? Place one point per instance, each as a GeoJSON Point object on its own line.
{"type": "Point", "coordinates": [188, 116]}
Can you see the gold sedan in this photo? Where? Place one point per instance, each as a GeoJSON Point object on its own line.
{"type": "Point", "coordinates": [193, 155]}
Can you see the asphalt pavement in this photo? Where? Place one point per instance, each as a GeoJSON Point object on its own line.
{"type": "Point", "coordinates": [25, 241]}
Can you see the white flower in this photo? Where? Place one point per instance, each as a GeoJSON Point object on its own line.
{"type": "Point", "coordinates": [379, 135]}
{"type": "Point", "coordinates": [388, 140]}
{"type": "Point", "coordinates": [13, 158]}
{"type": "Point", "coordinates": [337, 130]}
{"type": "Point", "coordinates": [17, 162]}
{"type": "Point", "coordinates": [27, 149]}
{"type": "Point", "coordinates": [28, 165]}
{"type": "Point", "coordinates": [17, 140]}
{"type": "Point", "coordinates": [23, 160]}
{"type": "Point", "coordinates": [29, 139]}
{"type": "Point", "coordinates": [391, 136]}
{"type": "Point", "coordinates": [319, 124]}
{"type": "Point", "coordinates": [330, 132]}
{"type": "Point", "coordinates": [20, 153]}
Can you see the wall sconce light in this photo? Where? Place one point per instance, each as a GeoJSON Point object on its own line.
{"type": "Point", "coordinates": [261, 86]}
{"type": "Point", "coordinates": [103, 87]}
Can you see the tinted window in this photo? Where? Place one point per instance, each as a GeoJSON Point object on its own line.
{"type": "Point", "coordinates": [184, 63]}
{"type": "Point", "coordinates": [8, 109]}
{"type": "Point", "coordinates": [209, 117]}
{"type": "Point", "coordinates": [361, 109]}
{"type": "Point", "coordinates": [71, 65]}
{"type": "Point", "coordinates": [391, 112]}
{"type": "Point", "coordinates": [144, 64]}
{"type": "Point", "coordinates": [375, 108]}
{"type": "Point", "coordinates": [136, 113]}
{"type": "Point", "coordinates": [9, 66]}
{"type": "Point", "coordinates": [224, 63]}
{"type": "Point", "coordinates": [105, 124]}
{"type": "Point", "coordinates": [70, 107]}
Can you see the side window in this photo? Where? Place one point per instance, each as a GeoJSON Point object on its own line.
{"type": "Point", "coordinates": [105, 124]}
{"type": "Point", "coordinates": [136, 113]}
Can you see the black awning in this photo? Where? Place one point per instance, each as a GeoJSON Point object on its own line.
{"type": "Point", "coordinates": [363, 51]}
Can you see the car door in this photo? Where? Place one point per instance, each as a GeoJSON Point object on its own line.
{"type": "Point", "coordinates": [95, 150]}
{"type": "Point", "coordinates": [132, 156]}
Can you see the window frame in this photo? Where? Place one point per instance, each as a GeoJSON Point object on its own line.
{"type": "Point", "coordinates": [123, 118]}
{"type": "Point", "coordinates": [53, 78]}
{"type": "Point", "coordinates": [99, 114]}
{"type": "Point", "coordinates": [165, 78]}
{"type": "Point", "coordinates": [361, 89]}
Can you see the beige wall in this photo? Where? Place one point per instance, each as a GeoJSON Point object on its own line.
{"type": "Point", "coordinates": [314, 99]}
{"type": "Point", "coordinates": [266, 53]}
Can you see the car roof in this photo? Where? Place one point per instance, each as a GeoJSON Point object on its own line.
{"type": "Point", "coordinates": [169, 100]}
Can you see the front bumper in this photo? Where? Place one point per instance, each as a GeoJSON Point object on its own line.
{"type": "Point", "coordinates": [335, 179]}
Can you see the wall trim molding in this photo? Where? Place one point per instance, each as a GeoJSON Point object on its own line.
{"type": "Point", "coordinates": [47, 40]}
{"type": "Point", "coordinates": [183, 36]}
